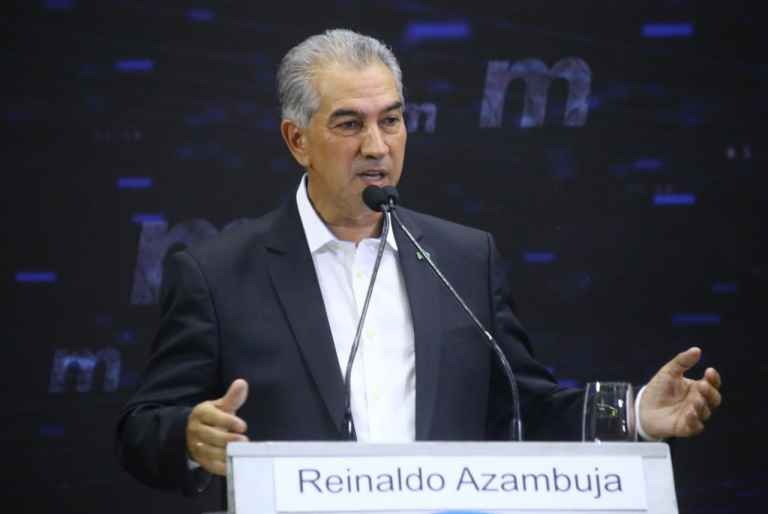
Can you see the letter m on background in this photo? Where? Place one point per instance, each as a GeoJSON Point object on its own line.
{"type": "Point", "coordinates": [155, 241]}
{"type": "Point", "coordinates": [537, 77]}
{"type": "Point", "coordinates": [83, 364]}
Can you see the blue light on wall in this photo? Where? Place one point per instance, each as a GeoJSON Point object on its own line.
{"type": "Point", "coordinates": [147, 218]}
{"type": "Point", "coordinates": [134, 182]}
{"type": "Point", "coordinates": [129, 379]}
{"type": "Point", "coordinates": [126, 336]}
{"type": "Point", "coordinates": [36, 277]}
{"type": "Point", "coordinates": [662, 199]}
{"type": "Point", "coordinates": [134, 65]}
{"type": "Point", "coordinates": [667, 30]}
{"type": "Point", "coordinates": [472, 206]}
{"type": "Point", "coordinates": [200, 15]}
{"type": "Point", "coordinates": [59, 5]}
{"type": "Point", "coordinates": [52, 431]}
{"type": "Point", "coordinates": [539, 257]}
{"type": "Point", "coordinates": [208, 117]}
{"type": "Point", "coordinates": [648, 164]}
{"type": "Point", "coordinates": [692, 319]}
{"type": "Point", "coordinates": [725, 288]}
{"type": "Point", "coordinates": [418, 32]}
{"type": "Point", "coordinates": [643, 166]}
{"type": "Point", "coordinates": [16, 114]}
{"type": "Point", "coordinates": [199, 151]}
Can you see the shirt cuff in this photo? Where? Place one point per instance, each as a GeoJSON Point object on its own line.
{"type": "Point", "coordinates": [191, 464]}
{"type": "Point", "coordinates": [642, 434]}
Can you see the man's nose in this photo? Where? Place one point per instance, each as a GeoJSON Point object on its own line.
{"type": "Point", "coordinates": [373, 145]}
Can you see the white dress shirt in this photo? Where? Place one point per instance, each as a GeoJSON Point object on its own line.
{"type": "Point", "coordinates": [383, 382]}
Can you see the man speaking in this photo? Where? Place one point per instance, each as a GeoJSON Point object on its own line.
{"type": "Point", "coordinates": [258, 325]}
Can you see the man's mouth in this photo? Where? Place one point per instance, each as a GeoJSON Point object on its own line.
{"type": "Point", "coordinates": [372, 176]}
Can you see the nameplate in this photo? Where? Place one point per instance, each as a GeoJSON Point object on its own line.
{"type": "Point", "coordinates": [361, 484]}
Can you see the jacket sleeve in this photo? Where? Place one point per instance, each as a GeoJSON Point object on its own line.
{"type": "Point", "coordinates": [548, 411]}
{"type": "Point", "coordinates": [182, 371]}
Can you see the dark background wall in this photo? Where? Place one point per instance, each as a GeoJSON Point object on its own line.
{"type": "Point", "coordinates": [631, 216]}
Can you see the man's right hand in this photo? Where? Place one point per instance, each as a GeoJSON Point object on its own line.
{"type": "Point", "coordinates": [213, 424]}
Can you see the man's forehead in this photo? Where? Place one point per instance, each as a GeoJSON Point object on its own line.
{"type": "Point", "coordinates": [370, 88]}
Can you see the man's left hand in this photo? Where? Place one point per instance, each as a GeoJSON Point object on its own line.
{"type": "Point", "coordinates": [675, 406]}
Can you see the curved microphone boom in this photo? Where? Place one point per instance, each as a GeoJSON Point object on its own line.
{"type": "Point", "coordinates": [385, 199]}
{"type": "Point", "coordinates": [349, 423]}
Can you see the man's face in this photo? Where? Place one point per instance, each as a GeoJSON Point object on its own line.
{"type": "Point", "coordinates": [355, 139]}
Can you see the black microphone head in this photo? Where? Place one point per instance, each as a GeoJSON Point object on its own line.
{"type": "Point", "coordinates": [393, 197]}
{"type": "Point", "coordinates": [374, 197]}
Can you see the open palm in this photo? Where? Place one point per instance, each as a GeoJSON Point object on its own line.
{"type": "Point", "coordinates": [675, 406]}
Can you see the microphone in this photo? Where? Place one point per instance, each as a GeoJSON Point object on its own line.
{"type": "Point", "coordinates": [379, 198]}
{"type": "Point", "coordinates": [386, 199]}
{"type": "Point", "coordinates": [393, 197]}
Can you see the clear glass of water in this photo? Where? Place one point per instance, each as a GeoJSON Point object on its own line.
{"type": "Point", "coordinates": [609, 412]}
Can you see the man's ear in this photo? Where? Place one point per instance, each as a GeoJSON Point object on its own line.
{"type": "Point", "coordinates": [294, 138]}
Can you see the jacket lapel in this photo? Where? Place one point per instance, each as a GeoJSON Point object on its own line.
{"type": "Point", "coordinates": [423, 289]}
{"type": "Point", "coordinates": [293, 276]}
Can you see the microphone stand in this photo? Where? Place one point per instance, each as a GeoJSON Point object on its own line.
{"type": "Point", "coordinates": [348, 422]}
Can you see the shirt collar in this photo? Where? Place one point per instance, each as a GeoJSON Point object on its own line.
{"type": "Point", "coordinates": [317, 232]}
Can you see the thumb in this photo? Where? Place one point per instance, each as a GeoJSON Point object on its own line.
{"type": "Point", "coordinates": [235, 396]}
{"type": "Point", "coordinates": [683, 361]}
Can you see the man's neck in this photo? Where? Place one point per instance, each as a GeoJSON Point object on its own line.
{"type": "Point", "coordinates": [351, 228]}
{"type": "Point", "coordinates": [355, 232]}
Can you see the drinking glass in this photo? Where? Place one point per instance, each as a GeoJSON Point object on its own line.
{"type": "Point", "coordinates": [609, 412]}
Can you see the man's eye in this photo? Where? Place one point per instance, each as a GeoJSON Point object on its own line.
{"type": "Point", "coordinates": [349, 125]}
{"type": "Point", "coordinates": [391, 120]}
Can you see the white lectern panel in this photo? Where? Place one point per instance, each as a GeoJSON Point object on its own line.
{"type": "Point", "coordinates": [436, 477]}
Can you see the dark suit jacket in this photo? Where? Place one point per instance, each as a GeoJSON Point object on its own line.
{"type": "Point", "coordinates": [248, 304]}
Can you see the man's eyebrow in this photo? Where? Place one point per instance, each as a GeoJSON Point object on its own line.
{"type": "Point", "coordinates": [394, 106]}
{"type": "Point", "coordinates": [338, 113]}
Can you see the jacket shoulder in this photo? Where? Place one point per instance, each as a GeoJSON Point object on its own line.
{"type": "Point", "coordinates": [234, 243]}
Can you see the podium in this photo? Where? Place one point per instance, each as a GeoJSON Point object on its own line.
{"type": "Point", "coordinates": [442, 477]}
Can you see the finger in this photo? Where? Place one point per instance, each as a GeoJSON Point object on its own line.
{"type": "Point", "coordinates": [206, 453]}
{"type": "Point", "coordinates": [702, 410]}
{"type": "Point", "coordinates": [694, 424]}
{"type": "Point", "coordinates": [235, 396]}
{"type": "Point", "coordinates": [710, 394]}
{"type": "Point", "coordinates": [217, 468]}
{"type": "Point", "coordinates": [214, 417]}
{"type": "Point", "coordinates": [713, 377]}
{"type": "Point", "coordinates": [216, 437]}
{"type": "Point", "coordinates": [211, 459]}
{"type": "Point", "coordinates": [683, 361]}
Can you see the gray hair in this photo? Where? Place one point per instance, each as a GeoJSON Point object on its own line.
{"type": "Point", "coordinates": [298, 98]}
